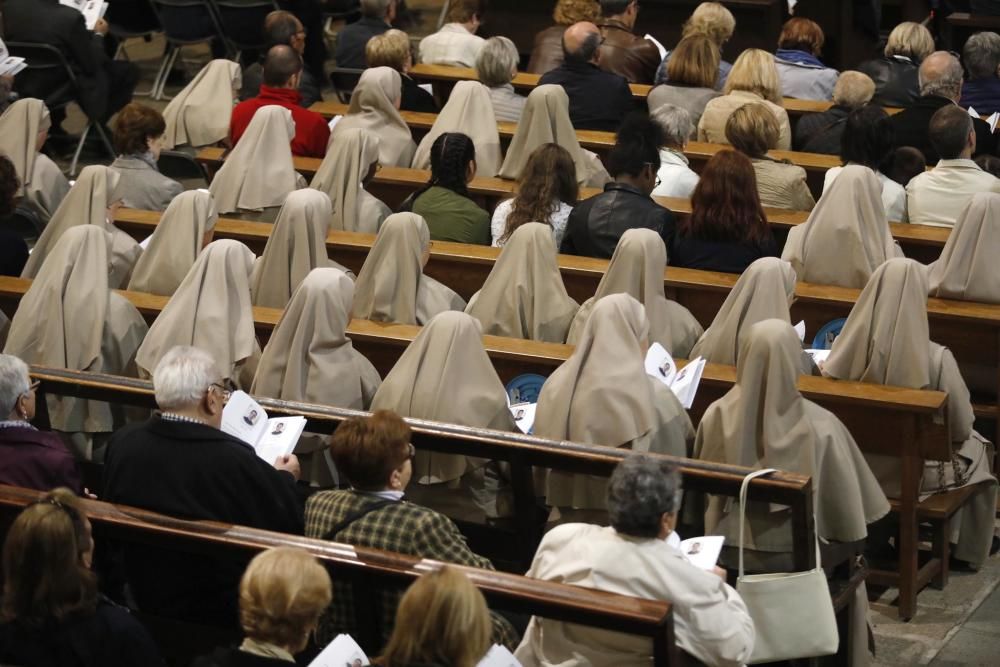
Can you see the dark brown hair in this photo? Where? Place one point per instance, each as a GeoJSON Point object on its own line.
{"type": "Point", "coordinates": [134, 125]}
{"type": "Point", "coordinates": [547, 179]}
{"type": "Point", "coordinates": [9, 185]}
{"type": "Point", "coordinates": [462, 11]}
{"type": "Point", "coordinates": [368, 449]}
{"type": "Point", "coordinates": [725, 205]}
{"type": "Point", "coordinates": [45, 578]}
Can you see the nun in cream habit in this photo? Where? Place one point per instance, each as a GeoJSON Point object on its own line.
{"type": "Point", "coordinates": [764, 291]}
{"type": "Point", "coordinates": [637, 269]}
{"type": "Point", "coordinates": [524, 296]}
{"type": "Point", "coordinates": [296, 246]}
{"type": "Point", "coordinates": [258, 174]}
{"type": "Point", "coordinates": [309, 358]}
{"type": "Point", "coordinates": [846, 236]}
{"type": "Point", "coordinates": [469, 110]}
{"type": "Point", "coordinates": [601, 395]}
{"type": "Point", "coordinates": [91, 201]}
{"type": "Point", "coordinates": [375, 107]}
{"type": "Point", "coordinates": [349, 164]}
{"type": "Point", "coordinates": [545, 120]}
{"type": "Point", "coordinates": [211, 310]}
{"type": "Point", "coordinates": [70, 318]}
{"type": "Point", "coordinates": [24, 127]}
{"type": "Point", "coordinates": [199, 115]}
{"type": "Point", "coordinates": [967, 269]}
{"type": "Point", "coordinates": [185, 228]}
{"type": "Point", "coordinates": [445, 375]}
{"type": "Point", "coordinates": [392, 286]}
{"type": "Point", "coordinates": [764, 422]}
{"type": "Point", "coordinates": [886, 341]}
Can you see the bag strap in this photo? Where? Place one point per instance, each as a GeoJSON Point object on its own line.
{"type": "Point", "coordinates": [355, 515]}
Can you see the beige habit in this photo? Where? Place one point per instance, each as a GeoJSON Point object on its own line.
{"type": "Point", "coordinates": [967, 268]}
{"type": "Point", "coordinates": [846, 236]}
{"type": "Point", "coordinates": [469, 110]}
{"type": "Point", "coordinates": [374, 107]}
{"type": "Point", "coordinates": [69, 318]}
{"type": "Point", "coordinates": [601, 395]}
{"type": "Point", "coordinates": [763, 292]}
{"type": "Point", "coordinates": [391, 286]}
{"type": "Point", "coordinates": [637, 269]}
{"type": "Point", "coordinates": [210, 310]}
{"type": "Point", "coordinates": [445, 375]}
{"type": "Point", "coordinates": [199, 115]}
{"type": "Point", "coordinates": [545, 120]}
{"type": "Point", "coordinates": [88, 203]}
{"type": "Point", "coordinates": [886, 341]}
{"type": "Point", "coordinates": [296, 246]}
{"type": "Point", "coordinates": [43, 185]}
{"type": "Point", "coordinates": [524, 296]}
{"type": "Point", "coordinates": [258, 173]}
{"type": "Point", "coordinates": [341, 176]}
{"type": "Point", "coordinates": [184, 229]}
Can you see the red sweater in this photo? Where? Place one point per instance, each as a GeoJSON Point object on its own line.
{"type": "Point", "coordinates": [311, 130]}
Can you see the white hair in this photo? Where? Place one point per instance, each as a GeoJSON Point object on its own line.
{"type": "Point", "coordinates": [676, 124]}
{"type": "Point", "coordinates": [14, 382]}
{"type": "Point", "coordinates": [497, 62]}
{"type": "Point", "coordinates": [183, 376]}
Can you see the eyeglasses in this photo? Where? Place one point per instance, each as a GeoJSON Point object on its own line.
{"type": "Point", "coordinates": [34, 386]}
{"type": "Point", "coordinates": [226, 389]}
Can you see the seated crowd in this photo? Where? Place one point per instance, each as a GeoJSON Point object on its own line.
{"type": "Point", "coordinates": [194, 313]}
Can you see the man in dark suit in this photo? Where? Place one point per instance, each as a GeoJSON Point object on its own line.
{"type": "Point", "coordinates": [179, 463]}
{"type": "Point", "coordinates": [940, 85]}
{"type": "Point", "coordinates": [106, 84]}
{"type": "Point", "coordinates": [375, 455]}
{"type": "Point", "coordinates": [376, 17]}
{"type": "Point", "coordinates": [598, 100]}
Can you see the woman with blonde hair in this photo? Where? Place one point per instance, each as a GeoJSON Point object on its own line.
{"type": "Point", "coordinates": [711, 20]}
{"type": "Point", "coordinates": [283, 592]}
{"type": "Point", "coordinates": [693, 68]}
{"type": "Point", "coordinates": [754, 78]}
{"type": "Point", "coordinates": [896, 74]}
{"type": "Point", "coordinates": [51, 611]}
{"type": "Point", "coordinates": [547, 52]}
{"type": "Point", "coordinates": [392, 49]}
{"type": "Point", "coordinates": [442, 620]}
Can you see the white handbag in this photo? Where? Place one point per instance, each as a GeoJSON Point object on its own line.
{"type": "Point", "coordinates": [792, 611]}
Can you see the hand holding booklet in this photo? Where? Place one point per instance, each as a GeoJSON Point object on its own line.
{"type": "Point", "coordinates": [92, 10]}
{"type": "Point", "coordinates": [702, 552]}
{"type": "Point", "coordinates": [345, 652]}
{"type": "Point", "coordinates": [245, 419]}
{"type": "Point", "coordinates": [683, 382]}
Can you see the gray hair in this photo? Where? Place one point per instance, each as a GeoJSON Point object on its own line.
{"type": "Point", "coordinates": [675, 122]}
{"type": "Point", "coordinates": [183, 376]}
{"type": "Point", "coordinates": [374, 8]}
{"type": "Point", "coordinates": [941, 74]}
{"type": "Point", "coordinates": [982, 55]}
{"type": "Point", "coordinates": [14, 382]}
{"type": "Point", "coordinates": [497, 62]}
{"type": "Point", "coordinates": [641, 490]}
{"type": "Point", "coordinates": [853, 89]}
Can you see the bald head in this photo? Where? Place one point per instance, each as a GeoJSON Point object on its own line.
{"type": "Point", "coordinates": [581, 42]}
{"type": "Point", "coordinates": [282, 67]}
{"type": "Point", "coordinates": [941, 74]}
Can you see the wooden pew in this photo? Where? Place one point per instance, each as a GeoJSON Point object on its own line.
{"type": "Point", "coordinates": [372, 569]}
{"type": "Point", "coordinates": [393, 184]}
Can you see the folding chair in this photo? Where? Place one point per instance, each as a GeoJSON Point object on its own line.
{"type": "Point", "coordinates": [124, 32]}
{"type": "Point", "coordinates": [242, 23]}
{"type": "Point", "coordinates": [48, 64]}
{"type": "Point", "coordinates": [183, 168]}
{"type": "Point", "coordinates": [184, 23]}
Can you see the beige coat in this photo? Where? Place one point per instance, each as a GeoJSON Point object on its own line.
{"type": "Point", "coordinates": [601, 395]}
{"type": "Point", "coordinates": [886, 341]}
{"type": "Point", "coordinates": [469, 110]}
{"type": "Point", "coordinates": [637, 269]}
{"type": "Point", "coordinates": [374, 107]}
{"type": "Point", "coordinates": [710, 620]}
{"type": "Point", "coordinates": [341, 176]}
{"type": "Point", "coordinates": [184, 229]}
{"type": "Point", "coordinates": [967, 268]}
{"type": "Point", "coordinates": [524, 296]}
{"type": "Point", "coordinates": [782, 185]}
{"type": "Point", "coordinates": [545, 120]}
{"type": "Point", "coordinates": [43, 186]}
{"type": "Point", "coordinates": [846, 236]}
{"type": "Point", "coordinates": [937, 196]}
{"type": "Point", "coordinates": [391, 286]}
{"type": "Point", "coordinates": [712, 126]}
{"type": "Point", "coordinates": [210, 310]}
{"type": "Point", "coordinates": [199, 115]}
{"type": "Point", "coordinates": [763, 292]}
{"type": "Point", "coordinates": [70, 318]}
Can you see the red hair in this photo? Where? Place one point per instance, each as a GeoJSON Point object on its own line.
{"type": "Point", "coordinates": [725, 205]}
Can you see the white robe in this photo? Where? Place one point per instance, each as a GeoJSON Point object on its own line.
{"type": "Point", "coordinates": [710, 620]}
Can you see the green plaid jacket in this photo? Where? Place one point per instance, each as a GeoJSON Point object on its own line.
{"type": "Point", "coordinates": [402, 528]}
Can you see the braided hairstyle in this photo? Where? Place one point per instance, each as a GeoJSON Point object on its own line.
{"type": "Point", "coordinates": [451, 154]}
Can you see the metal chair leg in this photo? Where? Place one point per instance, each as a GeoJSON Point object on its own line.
{"type": "Point", "coordinates": [79, 150]}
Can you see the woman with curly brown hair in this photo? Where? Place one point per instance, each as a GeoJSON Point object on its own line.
{"type": "Point", "coordinates": [546, 192]}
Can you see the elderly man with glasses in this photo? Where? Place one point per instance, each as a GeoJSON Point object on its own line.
{"type": "Point", "coordinates": [180, 463]}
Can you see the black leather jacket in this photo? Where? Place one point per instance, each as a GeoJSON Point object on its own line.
{"type": "Point", "coordinates": [896, 82]}
{"type": "Point", "coordinates": [596, 224]}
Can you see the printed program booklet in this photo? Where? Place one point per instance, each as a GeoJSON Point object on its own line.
{"type": "Point", "coordinates": [683, 382]}
{"type": "Point", "coordinates": [345, 652]}
{"type": "Point", "coordinates": [245, 419]}
{"type": "Point", "coordinates": [702, 552]}
{"type": "Point", "coordinates": [92, 10]}
{"type": "Point", "coordinates": [9, 65]}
